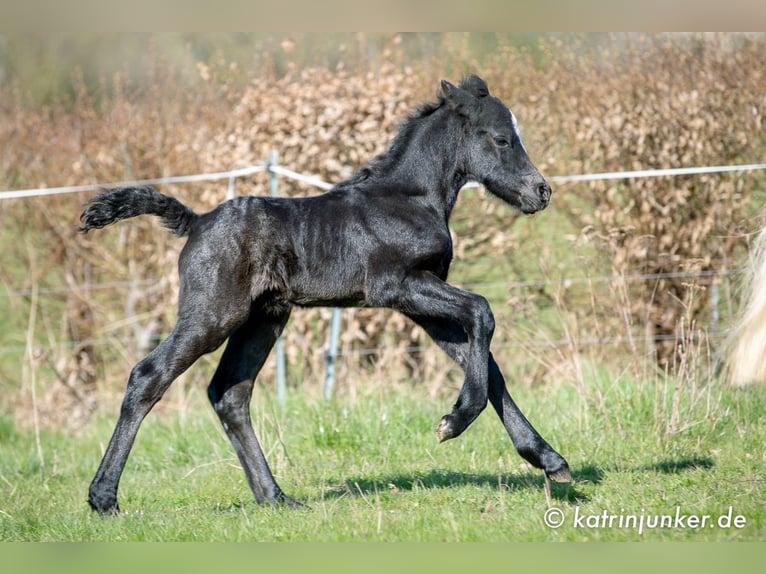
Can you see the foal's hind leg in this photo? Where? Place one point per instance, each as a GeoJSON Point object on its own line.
{"type": "Point", "coordinates": [148, 381]}
{"type": "Point", "coordinates": [231, 389]}
{"type": "Point", "coordinates": [528, 442]}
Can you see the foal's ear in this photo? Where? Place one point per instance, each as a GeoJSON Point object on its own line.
{"type": "Point", "coordinates": [458, 99]}
{"type": "Point", "coordinates": [476, 86]}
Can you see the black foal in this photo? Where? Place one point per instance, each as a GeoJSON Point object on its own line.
{"type": "Point", "coordinates": [378, 239]}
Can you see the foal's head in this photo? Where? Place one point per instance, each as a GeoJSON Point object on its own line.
{"type": "Point", "coordinates": [494, 155]}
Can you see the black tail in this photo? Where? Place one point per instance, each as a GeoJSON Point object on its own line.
{"type": "Point", "coordinates": [124, 202]}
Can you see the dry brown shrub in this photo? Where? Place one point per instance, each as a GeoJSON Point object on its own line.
{"type": "Point", "coordinates": [668, 103]}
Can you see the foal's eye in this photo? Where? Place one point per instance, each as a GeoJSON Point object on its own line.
{"type": "Point", "coordinates": [502, 142]}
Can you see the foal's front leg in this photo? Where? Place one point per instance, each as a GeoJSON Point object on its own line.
{"type": "Point", "coordinates": [528, 442]}
{"type": "Point", "coordinates": [469, 319]}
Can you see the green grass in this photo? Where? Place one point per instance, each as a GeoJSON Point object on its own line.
{"type": "Point", "coordinates": [370, 470]}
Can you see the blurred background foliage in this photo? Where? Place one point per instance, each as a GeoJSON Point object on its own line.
{"type": "Point", "coordinates": [635, 275]}
{"type": "Point", "coordinates": [45, 63]}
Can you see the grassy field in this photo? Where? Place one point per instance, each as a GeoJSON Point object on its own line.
{"type": "Point", "coordinates": [370, 470]}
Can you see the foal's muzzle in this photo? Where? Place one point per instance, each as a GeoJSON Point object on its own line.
{"type": "Point", "coordinates": [537, 198]}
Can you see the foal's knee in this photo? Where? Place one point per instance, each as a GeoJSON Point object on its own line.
{"type": "Point", "coordinates": [483, 319]}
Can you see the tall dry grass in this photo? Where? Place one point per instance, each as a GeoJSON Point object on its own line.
{"type": "Point", "coordinates": [626, 102]}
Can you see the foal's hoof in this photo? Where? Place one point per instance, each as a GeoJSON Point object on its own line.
{"type": "Point", "coordinates": [446, 430]}
{"type": "Point", "coordinates": [284, 500]}
{"type": "Point", "coordinates": [103, 501]}
{"type": "Point", "coordinates": [560, 475]}
{"type": "Point", "coordinates": [104, 510]}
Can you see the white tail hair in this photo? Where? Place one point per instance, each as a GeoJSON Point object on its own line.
{"type": "Point", "coordinates": [746, 356]}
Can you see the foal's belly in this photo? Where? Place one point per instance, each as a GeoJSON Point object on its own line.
{"type": "Point", "coordinates": [328, 287]}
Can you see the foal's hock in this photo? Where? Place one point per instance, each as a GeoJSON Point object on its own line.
{"type": "Point", "coordinates": [378, 239]}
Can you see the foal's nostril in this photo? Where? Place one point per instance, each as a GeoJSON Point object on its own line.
{"type": "Point", "coordinates": [545, 191]}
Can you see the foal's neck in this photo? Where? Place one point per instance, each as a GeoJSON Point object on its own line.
{"type": "Point", "coordinates": [427, 159]}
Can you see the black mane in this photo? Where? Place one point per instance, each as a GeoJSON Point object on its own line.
{"type": "Point", "coordinates": [380, 164]}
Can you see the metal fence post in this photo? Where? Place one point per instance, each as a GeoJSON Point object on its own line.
{"type": "Point", "coordinates": [332, 354]}
{"type": "Point", "coordinates": [279, 347]}
{"type": "Point", "coordinates": [715, 316]}
{"type": "Point", "coordinates": [230, 189]}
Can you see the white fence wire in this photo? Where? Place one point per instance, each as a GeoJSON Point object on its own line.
{"type": "Point", "coordinates": [317, 182]}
